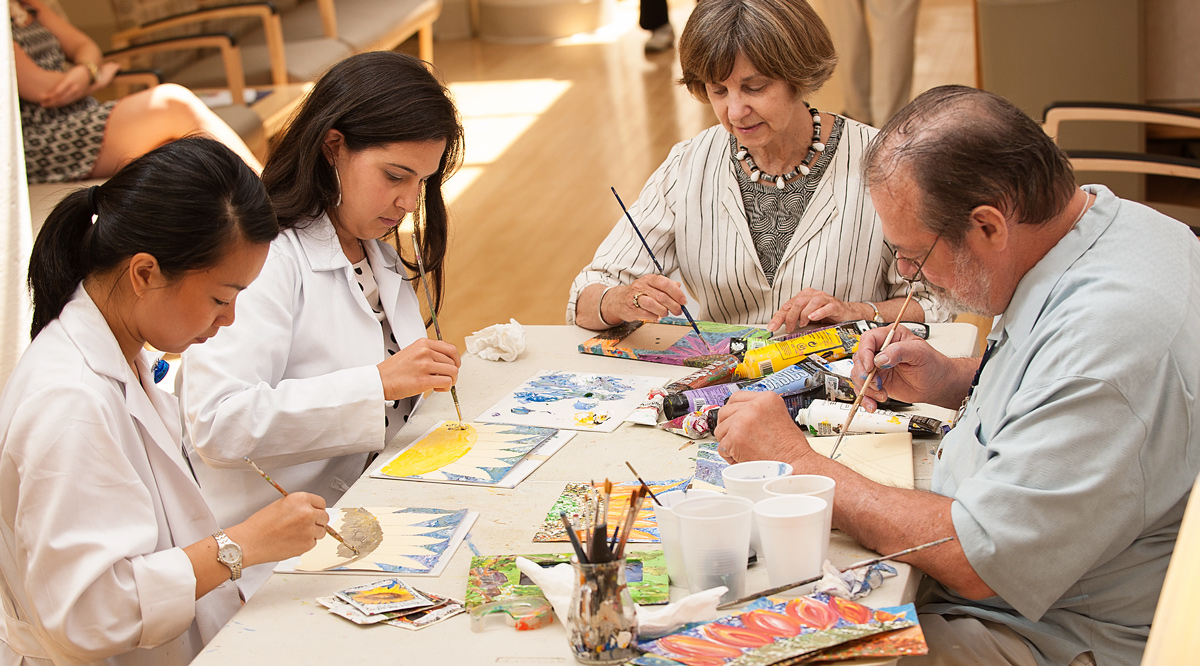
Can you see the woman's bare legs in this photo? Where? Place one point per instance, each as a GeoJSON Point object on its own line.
{"type": "Point", "coordinates": [146, 120]}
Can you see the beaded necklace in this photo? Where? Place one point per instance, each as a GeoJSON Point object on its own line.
{"type": "Point", "coordinates": [756, 174]}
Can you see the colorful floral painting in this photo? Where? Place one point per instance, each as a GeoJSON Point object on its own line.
{"type": "Point", "coordinates": [688, 350]}
{"type": "Point", "coordinates": [773, 633]}
{"type": "Point", "coordinates": [577, 497]}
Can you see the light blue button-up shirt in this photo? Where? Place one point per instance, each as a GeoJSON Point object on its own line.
{"type": "Point", "coordinates": [1072, 465]}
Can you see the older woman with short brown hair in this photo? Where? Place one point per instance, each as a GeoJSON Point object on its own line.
{"type": "Point", "coordinates": [766, 217]}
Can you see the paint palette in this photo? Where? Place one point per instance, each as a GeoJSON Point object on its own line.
{"type": "Point", "coordinates": [572, 401]}
{"type": "Point", "coordinates": [670, 340]}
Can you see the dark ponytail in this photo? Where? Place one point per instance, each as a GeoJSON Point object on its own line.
{"type": "Point", "coordinates": [373, 99]}
{"type": "Point", "coordinates": [184, 203]}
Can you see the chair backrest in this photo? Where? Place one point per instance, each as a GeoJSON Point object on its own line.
{"type": "Point", "coordinates": [1174, 639]}
{"type": "Point", "coordinates": [1182, 203]}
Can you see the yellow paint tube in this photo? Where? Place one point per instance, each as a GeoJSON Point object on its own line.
{"type": "Point", "coordinates": [829, 343]}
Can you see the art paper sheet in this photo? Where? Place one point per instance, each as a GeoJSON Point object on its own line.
{"type": "Point", "coordinates": [574, 501]}
{"type": "Point", "coordinates": [497, 578]}
{"type": "Point", "coordinates": [885, 459]}
{"type": "Point", "coordinates": [777, 633]}
{"type": "Point", "coordinates": [411, 541]}
{"type": "Point", "coordinates": [631, 340]}
{"type": "Point", "coordinates": [484, 454]}
{"type": "Point", "coordinates": [572, 401]}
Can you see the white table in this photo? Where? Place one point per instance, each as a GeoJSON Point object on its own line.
{"type": "Point", "coordinates": [283, 623]}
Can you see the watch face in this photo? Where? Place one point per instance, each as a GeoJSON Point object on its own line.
{"type": "Point", "coordinates": [230, 553]}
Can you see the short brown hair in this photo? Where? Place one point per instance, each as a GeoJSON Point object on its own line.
{"type": "Point", "coordinates": [966, 148]}
{"type": "Point", "coordinates": [782, 39]}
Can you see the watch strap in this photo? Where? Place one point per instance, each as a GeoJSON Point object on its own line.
{"type": "Point", "coordinates": [235, 569]}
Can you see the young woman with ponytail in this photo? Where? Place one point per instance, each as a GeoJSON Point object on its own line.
{"type": "Point", "coordinates": [109, 552]}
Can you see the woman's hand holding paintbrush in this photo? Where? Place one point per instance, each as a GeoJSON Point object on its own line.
{"type": "Point", "coordinates": [328, 530]}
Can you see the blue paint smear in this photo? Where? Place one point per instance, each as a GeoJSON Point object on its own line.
{"type": "Point", "coordinates": [584, 404]}
{"type": "Point", "coordinates": [555, 386]}
{"type": "Point", "coordinates": [521, 410]}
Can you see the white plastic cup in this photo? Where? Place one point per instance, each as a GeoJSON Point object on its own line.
{"type": "Point", "coordinates": [714, 533]}
{"type": "Point", "coordinates": [807, 484]}
{"type": "Point", "coordinates": [793, 538]}
{"type": "Point", "coordinates": [668, 531]}
{"type": "Point", "coordinates": [747, 480]}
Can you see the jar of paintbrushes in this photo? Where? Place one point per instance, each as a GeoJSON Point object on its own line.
{"type": "Point", "coordinates": [602, 619]}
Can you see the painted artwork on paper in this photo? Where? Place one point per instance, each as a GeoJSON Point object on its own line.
{"type": "Point", "coordinates": [483, 453]}
{"type": "Point", "coordinates": [771, 632]}
{"type": "Point", "coordinates": [412, 541]}
{"type": "Point", "coordinates": [572, 401]}
{"type": "Point", "coordinates": [709, 464]}
{"type": "Point", "coordinates": [576, 498]}
{"type": "Point", "coordinates": [497, 578]}
{"type": "Point", "coordinates": [670, 340]}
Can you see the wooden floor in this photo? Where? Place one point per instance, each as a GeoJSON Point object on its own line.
{"type": "Point", "coordinates": [551, 127]}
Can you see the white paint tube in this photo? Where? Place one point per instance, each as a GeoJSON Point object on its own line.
{"type": "Point", "coordinates": [825, 418]}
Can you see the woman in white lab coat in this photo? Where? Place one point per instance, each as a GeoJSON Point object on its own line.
{"type": "Point", "coordinates": [329, 354]}
{"type": "Point", "coordinates": [108, 546]}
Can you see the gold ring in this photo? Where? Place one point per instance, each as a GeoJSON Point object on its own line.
{"type": "Point", "coordinates": [635, 300]}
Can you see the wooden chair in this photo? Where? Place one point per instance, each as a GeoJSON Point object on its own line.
{"type": "Point", "coordinates": [364, 25]}
{"type": "Point", "coordinates": [266, 58]}
{"type": "Point", "coordinates": [1180, 203]}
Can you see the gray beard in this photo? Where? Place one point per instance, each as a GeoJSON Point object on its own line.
{"type": "Point", "coordinates": [975, 286]}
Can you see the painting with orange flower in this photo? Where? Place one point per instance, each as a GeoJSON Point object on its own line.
{"type": "Point", "coordinates": [772, 633]}
{"type": "Point", "coordinates": [577, 499]}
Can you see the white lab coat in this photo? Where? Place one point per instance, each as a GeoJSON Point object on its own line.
{"type": "Point", "coordinates": [292, 383]}
{"type": "Point", "coordinates": [96, 505]}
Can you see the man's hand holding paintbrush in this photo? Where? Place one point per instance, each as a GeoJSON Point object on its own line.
{"type": "Point", "coordinates": [909, 369]}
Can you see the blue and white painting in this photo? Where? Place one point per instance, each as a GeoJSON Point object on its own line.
{"type": "Point", "coordinates": [572, 401]}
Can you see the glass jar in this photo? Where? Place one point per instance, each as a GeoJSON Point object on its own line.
{"type": "Point", "coordinates": [602, 620]}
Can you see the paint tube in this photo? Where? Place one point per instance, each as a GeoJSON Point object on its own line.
{"type": "Point", "coordinates": [648, 411]}
{"type": "Point", "coordinates": [823, 417]}
{"type": "Point", "coordinates": [719, 371]}
{"type": "Point", "coordinates": [675, 406]}
{"type": "Point", "coordinates": [793, 379]}
{"type": "Point", "coordinates": [693, 426]}
{"type": "Point", "coordinates": [794, 403]}
{"type": "Point", "coordinates": [831, 343]}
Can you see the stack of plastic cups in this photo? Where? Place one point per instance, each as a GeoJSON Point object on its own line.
{"type": "Point", "coordinates": [668, 531]}
{"type": "Point", "coordinates": [814, 485]}
{"type": "Point", "coordinates": [714, 533]}
{"type": "Point", "coordinates": [747, 480]}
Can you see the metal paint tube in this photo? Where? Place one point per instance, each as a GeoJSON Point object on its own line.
{"type": "Point", "coordinates": [693, 426]}
{"type": "Point", "coordinates": [717, 372]}
{"type": "Point", "coordinates": [793, 379]}
{"type": "Point", "coordinates": [648, 411]}
{"type": "Point", "coordinates": [823, 417]}
{"type": "Point", "coordinates": [794, 403]}
{"type": "Point", "coordinates": [832, 342]}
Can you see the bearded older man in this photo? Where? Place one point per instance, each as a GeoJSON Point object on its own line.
{"type": "Point", "coordinates": [1067, 472]}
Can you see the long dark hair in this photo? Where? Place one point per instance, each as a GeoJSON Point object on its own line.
{"type": "Point", "coordinates": [184, 203]}
{"type": "Point", "coordinates": [373, 99]}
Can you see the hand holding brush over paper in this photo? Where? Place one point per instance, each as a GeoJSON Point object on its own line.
{"type": "Point", "coordinates": [910, 370]}
{"type": "Point", "coordinates": [287, 527]}
{"type": "Point", "coordinates": [423, 365]}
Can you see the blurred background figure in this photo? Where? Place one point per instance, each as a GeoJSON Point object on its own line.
{"type": "Point", "coordinates": [68, 135]}
{"type": "Point", "coordinates": [875, 41]}
{"type": "Point", "coordinates": [653, 16]}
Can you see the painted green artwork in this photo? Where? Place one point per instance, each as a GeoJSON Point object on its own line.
{"type": "Point", "coordinates": [497, 578]}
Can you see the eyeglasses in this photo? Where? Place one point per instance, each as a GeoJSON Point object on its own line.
{"type": "Point", "coordinates": [919, 264]}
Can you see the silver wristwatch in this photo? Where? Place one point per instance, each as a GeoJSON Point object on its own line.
{"type": "Point", "coordinates": [229, 554]}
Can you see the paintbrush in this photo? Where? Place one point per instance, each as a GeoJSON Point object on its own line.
{"type": "Point", "coordinates": [658, 265]}
{"type": "Point", "coordinates": [328, 530]}
{"type": "Point", "coordinates": [599, 543]}
{"type": "Point", "coordinates": [865, 563]}
{"type": "Point", "coordinates": [583, 559]}
{"type": "Point", "coordinates": [635, 506]}
{"type": "Point", "coordinates": [644, 484]}
{"type": "Point", "coordinates": [436, 327]}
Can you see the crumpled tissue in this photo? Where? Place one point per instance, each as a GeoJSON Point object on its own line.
{"type": "Point", "coordinates": [853, 583]}
{"type": "Point", "coordinates": [558, 583]}
{"type": "Point", "coordinates": [499, 342]}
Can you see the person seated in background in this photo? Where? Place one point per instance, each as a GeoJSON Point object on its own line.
{"type": "Point", "coordinates": [70, 136]}
{"type": "Point", "coordinates": [329, 355]}
{"type": "Point", "coordinates": [1066, 475]}
{"type": "Point", "coordinates": [766, 216]}
{"type": "Point", "coordinates": [109, 550]}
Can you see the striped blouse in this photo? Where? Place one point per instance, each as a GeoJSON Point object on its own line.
{"type": "Point", "coordinates": [692, 214]}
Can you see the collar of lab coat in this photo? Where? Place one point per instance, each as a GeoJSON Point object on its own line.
{"type": "Point", "coordinates": [154, 409]}
{"type": "Point", "coordinates": [318, 240]}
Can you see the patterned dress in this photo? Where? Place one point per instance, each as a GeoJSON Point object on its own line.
{"type": "Point", "coordinates": [61, 144]}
